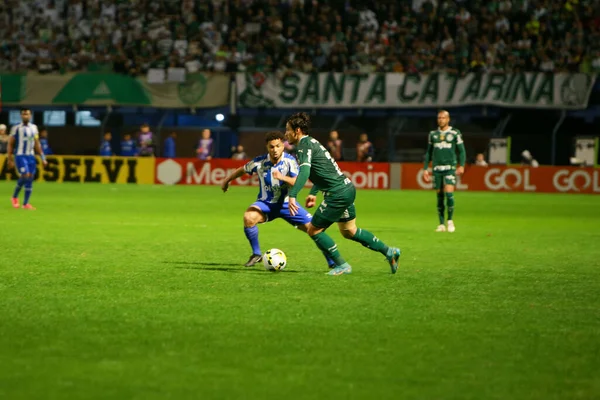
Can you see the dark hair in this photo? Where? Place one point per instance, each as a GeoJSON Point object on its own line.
{"type": "Point", "coordinates": [274, 135]}
{"type": "Point", "coordinates": [24, 109]}
{"type": "Point", "coordinates": [299, 120]}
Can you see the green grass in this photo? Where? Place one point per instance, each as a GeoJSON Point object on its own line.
{"type": "Point", "coordinates": [127, 292]}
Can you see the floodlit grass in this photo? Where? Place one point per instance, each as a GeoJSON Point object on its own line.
{"type": "Point", "coordinates": [138, 292]}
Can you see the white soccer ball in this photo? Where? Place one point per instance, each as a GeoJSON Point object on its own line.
{"type": "Point", "coordinates": [274, 260]}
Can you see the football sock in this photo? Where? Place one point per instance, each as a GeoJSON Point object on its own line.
{"type": "Point", "coordinates": [328, 246]}
{"type": "Point", "coordinates": [20, 184]}
{"type": "Point", "coordinates": [329, 259]}
{"type": "Point", "coordinates": [440, 206]}
{"type": "Point", "coordinates": [28, 189]}
{"type": "Point", "coordinates": [370, 241]}
{"type": "Point", "coordinates": [450, 203]}
{"type": "Point", "coordinates": [252, 236]}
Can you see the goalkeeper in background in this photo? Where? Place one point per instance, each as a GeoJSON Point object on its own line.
{"type": "Point", "coordinates": [441, 151]}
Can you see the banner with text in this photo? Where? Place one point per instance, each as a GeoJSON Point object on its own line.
{"type": "Point", "coordinates": [88, 169]}
{"type": "Point", "coordinates": [190, 171]}
{"type": "Point", "coordinates": [114, 89]}
{"type": "Point", "coordinates": [513, 179]}
{"type": "Point", "coordinates": [337, 90]}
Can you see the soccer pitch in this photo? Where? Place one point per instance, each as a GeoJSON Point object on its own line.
{"type": "Point", "coordinates": [138, 292]}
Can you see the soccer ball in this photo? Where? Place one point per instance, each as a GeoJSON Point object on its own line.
{"type": "Point", "coordinates": [274, 260]}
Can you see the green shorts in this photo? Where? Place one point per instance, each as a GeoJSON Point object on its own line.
{"type": "Point", "coordinates": [443, 178]}
{"type": "Point", "coordinates": [335, 207]}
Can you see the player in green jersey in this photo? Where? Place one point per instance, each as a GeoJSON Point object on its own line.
{"type": "Point", "coordinates": [338, 198]}
{"type": "Point", "coordinates": [441, 151]}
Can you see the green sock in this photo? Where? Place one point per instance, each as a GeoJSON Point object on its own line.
{"type": "Point", "coordinates": [440, 206]}
{"type": "Point", "coordinates": [328, 246]}
{"type": "Point", "coordinates": [370, 241]}
{"type": "Point", "coordinates": [450, 202]}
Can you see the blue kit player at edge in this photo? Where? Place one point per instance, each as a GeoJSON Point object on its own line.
{"type": "Point", "coordinates": [23, 140]}
{"type": "Point", "coordinates": [276, 172]}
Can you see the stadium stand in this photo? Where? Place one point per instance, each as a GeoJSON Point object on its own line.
{"type": "Point", "coordinates": [131, 36]}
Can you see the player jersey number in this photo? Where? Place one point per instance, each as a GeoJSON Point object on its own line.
{"type": "Point", "coordinates": [328, 156]}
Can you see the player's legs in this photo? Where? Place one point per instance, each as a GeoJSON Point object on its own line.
{"type": "Point", "coordinates": [321, 220]}
{"type": "Point", "coordinates": [438, 185]}
{"type": "Point", "coordinates": [23, 170]}
{"type": "Point", "coordinates": [32, 167]}
{"type": "Point", "coordinates": [255, 214]}
{"type": "Point", "coordinates": [301, 221]}
{"type": "Point", "coordinates": [441, 211]}
{"type": "Point", "coordinates": [331, 210]}
{"type": "Point", "coordinates": [349, 230]}
{"type": "Point", "coordinates": [329, 248]}
{"type": "Point", "coordinates": [449, 190]}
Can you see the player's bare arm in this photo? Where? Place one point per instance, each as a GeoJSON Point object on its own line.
{"type": "Point", "coordinates": [9, 152]}
{"type": "Point", "coordinates": [234, 175]}
{"type": "Point", "coordinates": [298, 185]}
{"type": "Point", "coordinates": [38, 148]}
{"type": "Point", "coordinates": [428, 156]}
{"type": "Point", "coordinates": [293, 205]}
{"type": "Point", "coordinates": [462, 155]}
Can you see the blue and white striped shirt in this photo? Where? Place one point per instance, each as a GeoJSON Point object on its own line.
{"type": "Point", "coordinates": [25, 136]}
{"type": "Point", "coordinates": [272, 190]}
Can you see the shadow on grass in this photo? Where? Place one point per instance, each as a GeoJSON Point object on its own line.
{"type": "Point", "coordinates": [200, 263]}
{"type": "Point", "coordinates": [224, 267]}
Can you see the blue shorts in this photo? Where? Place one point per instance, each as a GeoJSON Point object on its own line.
{"type": "Point", "coordinates": [26, 165]}
{"type": "Point", "coordinates": [274, 211]}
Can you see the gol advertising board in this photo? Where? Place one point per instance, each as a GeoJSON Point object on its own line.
{"type": "Point", "coordinates": [514, 179]}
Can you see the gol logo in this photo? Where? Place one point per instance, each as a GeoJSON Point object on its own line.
{"type": "Point", "coordinates": [575, 181]}
{"type": "Point", "coordinates": [509, 179]}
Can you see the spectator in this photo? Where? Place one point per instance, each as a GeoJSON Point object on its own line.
{"type": "Point", "coordinates": [146, 141]}
{"type": "Point", "coordinates": [3, 139]}
{"type": "Point", "coordinates": [221, 35]}
{"type": "Point", "coordinates": [169, 146]}
{"type": "Point", "coordinates": [480, 160]}
{"type": "Point", "coordinates": [205, 146]}
{"type": "Point", "coordinates": [527, 159]}
{"type": "Point", "coordinates": [239, 153]}
{"type": "Point", "coordinates": [334, 146]}
{"type": "Point", "coordinates": [46, 149]}
{"type": "Point", "coordinates": [105, 146]}
{"type": "Point", "coordinates": [364, 149]}
{"type": "Point", "coordinates": [128, 147]}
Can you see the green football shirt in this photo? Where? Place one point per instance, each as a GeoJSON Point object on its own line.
{"type": "Point", "coordinates": [325, 173]}
{"type": "Point", "coordinates": [442, 147]}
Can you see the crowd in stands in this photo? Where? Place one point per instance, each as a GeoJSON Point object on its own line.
{"type": "Point", "coordinates": [144, 144]}
{"type": "Point", "coordinates": [418, 36]}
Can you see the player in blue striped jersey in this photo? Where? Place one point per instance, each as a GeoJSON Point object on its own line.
{"type": "Point", "coordinates": [276, 173]}
{"type": "Point", "coordinates": [23, 142]}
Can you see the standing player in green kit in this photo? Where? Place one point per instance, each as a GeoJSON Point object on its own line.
{"type": "Point", "coordinates": [338, 198]}
{"type": "Point", "coordinates": [441, 151]}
